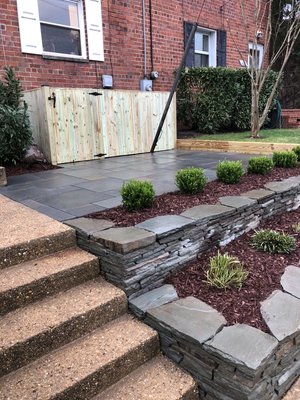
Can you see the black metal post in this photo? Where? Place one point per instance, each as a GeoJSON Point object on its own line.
{"type": "Point", "coordinates": [174, 87]}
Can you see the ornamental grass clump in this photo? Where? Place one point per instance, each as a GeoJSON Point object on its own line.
{"type": "Point", "coordinates": [190, 180]}
{"type": "Point", "coordinates": [260, 165]}
{"type": "Point", "coordinates": [137, 195]}
{"type": "Point", "coordinates": [229, 171]}
{"type": "Point", "coordinates": [273, 242]}
{"type": "Point", "coordinates": [285, 159]}
{"type": "Point", "coordinates": [225, 272]}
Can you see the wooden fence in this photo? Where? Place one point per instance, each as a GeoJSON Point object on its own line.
{"type": "Point", "coordinates": [82, 125]}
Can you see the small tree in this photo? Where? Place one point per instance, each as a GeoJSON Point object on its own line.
{"type": "Point", "coordinates": [15, 132]}
{"type": "Point", "coordinates": [270, 18]}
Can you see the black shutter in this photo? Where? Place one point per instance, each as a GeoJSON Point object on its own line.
{"type": "Point", "coordinates": [221, 48]}
{"type": "Point", "coordinates": [190, 58]}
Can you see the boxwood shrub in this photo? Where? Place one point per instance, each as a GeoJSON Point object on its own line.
{"type": "Point", "coordinates": [190, 180]}
{"type": "Point", "coordinates": [260, 165]}
{"type": "Point", "coordinates": [285, 159]}
{"type": "Point", "coordinates": [137, 195]}
{"type": "Point", "coordinates": [230, 171]}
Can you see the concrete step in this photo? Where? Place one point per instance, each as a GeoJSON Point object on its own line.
{"type": "Point", "coordinates": [85, 367]}
{"type": "Point", "coordinates": [158, 379]}
{"type": "Point", "coordinates": [29, 332]}
{"type": "Point", "coordinates": [27, 235]}
{"type": "Point", "coordinates": [25, 283]}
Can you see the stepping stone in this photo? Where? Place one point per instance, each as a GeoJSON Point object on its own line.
{"type": "Point", "coordinates": [187, 318]}
{"type": "Point", "coordinates": [236, 201]}
{"type": "Point", "coordinates": [281, 312]}
{"type": "Point", "coordinates": [243, 345]}
{"type": "Point", "coordinates": [290, 281]}
{"type": "Point", "coordinates": [155, 298]}
{"type": "Point", "coordinates": [166, 224]}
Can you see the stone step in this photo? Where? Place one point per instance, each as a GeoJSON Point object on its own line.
{"type": "Point", "coordinates": [85, 367]}
{"type": "Point", "coordinates": [29, 332]}
{"type": "Point", "coordinates": [28, 282]}
{"type": "Point", "coordinates": [27, 235]}
{"type": "Point", "coordinates": [158, 379]}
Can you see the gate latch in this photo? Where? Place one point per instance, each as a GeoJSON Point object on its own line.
{"type": "Point", "coordinates": [53, 98]}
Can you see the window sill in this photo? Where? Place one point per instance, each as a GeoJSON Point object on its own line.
{"type": "Point", "coordinates": [62, 58]}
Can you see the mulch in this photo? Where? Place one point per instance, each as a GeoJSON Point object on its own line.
{"type": "Point", "coordinates": [23, 168]}
{"type": "Point", "coordinates": [265, 271]}
{"type": "Point", "coordinates": [176, 203]}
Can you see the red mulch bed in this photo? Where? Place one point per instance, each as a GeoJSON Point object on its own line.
{"type": "Point", "coordinates": [176, 203]}
{"type": "Point", "coordinates": [265, 271]}
{"type": "Point", "coordinates": [22, 168]}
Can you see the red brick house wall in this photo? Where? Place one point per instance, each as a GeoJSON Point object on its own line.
{"type": "Point", "coordinates": [123, 43]}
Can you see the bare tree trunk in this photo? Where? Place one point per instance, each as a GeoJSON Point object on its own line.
{"type": "Point", "coordinates": [255, 112]}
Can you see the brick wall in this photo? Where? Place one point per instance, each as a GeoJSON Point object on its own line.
{"type": "Point", "coordinates": [123, 43]}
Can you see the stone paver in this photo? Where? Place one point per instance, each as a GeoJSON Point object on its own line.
{"type": "Point", "coordinates": [155, 298]}
{"type": "Point", "coordinates": [185, 317]}
{"type": "Point", "coordinates": [243, 345]}
{"type": "Point", "coordinates": [166, 224]}
{"type": "Point", "coordinates": [206, 211]}
{"type": "Point", "coordinates": [96, 184]}
{"type": "Point", "coordinates": [282, 186]}
{"type": "Point", "coordinates": [236, 201]}
{"type": "Point", "coordinates": [125, 240]}
{"type": "Point", "coordinates": [258, 194]}
{"type": "Point", "coordinates": [281, 312]}
{"type": "Point", "coordinates": [290, 280]}
{"type": "Point", "coordinates": [89, 226]}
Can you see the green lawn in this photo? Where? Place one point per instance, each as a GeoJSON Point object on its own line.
{"type": "Point", "coordinates": [268, 135]}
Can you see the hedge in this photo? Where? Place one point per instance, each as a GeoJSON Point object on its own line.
{"type": "Point", "coordinates": [213, 100]}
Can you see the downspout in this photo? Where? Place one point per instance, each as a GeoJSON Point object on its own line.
{"type": "Point", "coordinates": [144, 38]}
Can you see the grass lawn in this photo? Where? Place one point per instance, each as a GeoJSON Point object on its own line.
{"type": "Point", "coordinates": [268, 135]}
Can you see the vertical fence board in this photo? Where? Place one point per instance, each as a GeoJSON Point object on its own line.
{"type": "Point", "coordinates": [115, 123]}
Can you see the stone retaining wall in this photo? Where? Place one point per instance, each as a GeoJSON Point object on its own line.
{"type": "Point", "coordinates": [138, 259]}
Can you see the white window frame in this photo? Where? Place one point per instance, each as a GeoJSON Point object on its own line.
{"type": "Point", "coordinates": [212, 46]}
{"type": "Point", "coordinates": [260, 48]}
{"type": "Point", "coordinates": [90, 27]}
{"type": "Point", "coordinates": [81, 29]}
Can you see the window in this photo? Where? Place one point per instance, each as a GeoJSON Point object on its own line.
{"type": "Point", "coordinates": [255, 55]}
{"type": "Point", "coordinates": [208, 48]}
{"type": "Point", "coordinates": [57, 28]}
{"type": "Point", "coordinates": [205, 48]}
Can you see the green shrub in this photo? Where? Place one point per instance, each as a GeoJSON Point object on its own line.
{"type": "Point", "coordinates": [226, 271]}
{"type": "Point", "coordinates": [218, 99]}
{"type": "Point", "coordinates": [230, 171]}
{"type": "Point", "coordinates": [273, 242]}
{"type": "Point", "coordinates": [285, 159]}
{"type": "Point", "coordinates": [15, 132]}
{"type": "Point", "coordinates": [190, 180]}
{"type": "Point", "coordinates": [137, 195]}
{"type": "Point", "coordinates": [296, 150]}
{"type": "Point", "coordinates": [260, 165]}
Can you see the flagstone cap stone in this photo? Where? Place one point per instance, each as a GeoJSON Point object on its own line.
{"type": "Point", "coordinates": [258, 194]}
{"type": "Point", "coordinates": [281, 186]}
{"type": "Point", "coordinates": [236, 201]}
{"type": "Point", "coordinates": [290, 281]}
{"type": "Point", "coordinates": [166, 224]}
{"type": "Point", "coordinates": [188, 318]}
{"type": "Point", "coordinates": [89, 226]}
{"type": "Point", "coordinates": [125, 240]}
{"type": "Point", "coordinates": [281, 312]}
{"type": "Point", "coordinates": [240, 344]}
{"type": "Point", "coordinates": [155, 298]}
{"type": "Point", "coordinates": [207, 211]}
